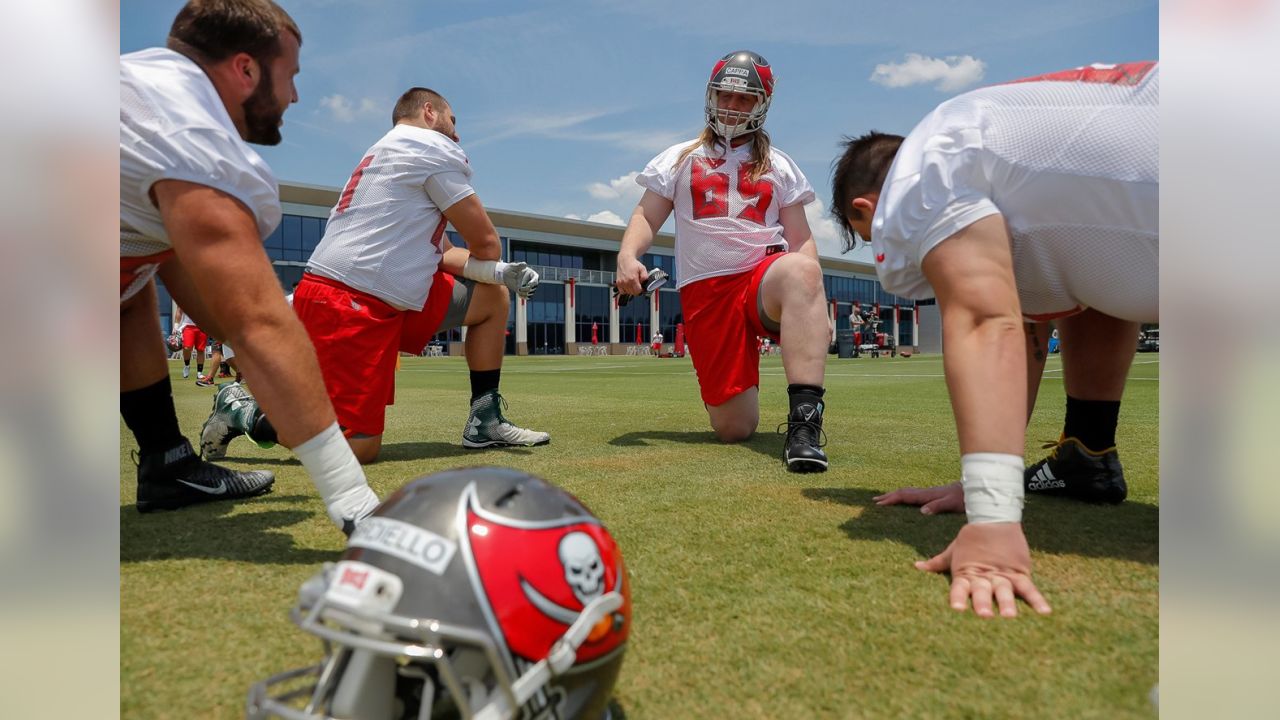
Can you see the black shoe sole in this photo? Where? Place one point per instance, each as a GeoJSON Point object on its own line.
{"type": "Point", "coordinates": [806, 465]}
{"type": "Point", "coordinates": [177, 502]}
{"type": "Point", "coordinates": [1092, 497]}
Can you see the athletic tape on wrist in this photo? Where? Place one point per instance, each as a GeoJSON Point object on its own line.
{"type": "Point", "coordinates": [331, 464]}
{"type": "Point", "coordinates": [993, 489]}
{"type": "Point", "coordinates": [484, 271]}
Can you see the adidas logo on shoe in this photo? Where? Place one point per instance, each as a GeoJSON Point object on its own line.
{"type": "Point", "coordinates": [1044, 480]}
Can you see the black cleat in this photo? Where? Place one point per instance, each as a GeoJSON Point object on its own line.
{"type": "Point", "coordinates": [177, 478]}
{"type": "Point", "coordinates": [1072, 470]}
{"type": "Point", "coordinates": [803, 447]}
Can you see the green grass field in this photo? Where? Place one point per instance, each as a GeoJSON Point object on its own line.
{"type": "Point", "coordinates": [757, 593]}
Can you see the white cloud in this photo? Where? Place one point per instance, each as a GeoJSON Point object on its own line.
{"type": "Point", "coordinates": [825, 233]}
{"type": "Point", "coordinates": [607, 217]}
{"type": "Point", "coordinates": [522, 124]}
{"type": "Point", "coordinates": [623, 188]}
{"type": "Point", "coordinates": [345, 110]}
{"type": "Point", "coordinates": [950, 73]}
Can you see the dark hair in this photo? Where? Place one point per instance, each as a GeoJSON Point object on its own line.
{"type": "Point", "coordinates": [410, 103]}
{"type": "Point", "coordinates": [209, 31]}
{"type": "Point", "coordinates": [861, 170]}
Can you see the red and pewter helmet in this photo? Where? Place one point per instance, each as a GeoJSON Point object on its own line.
{"type": "Point", "coordinates": [745, 72]}
{"type": "Point", "coordinates": [475, 593]}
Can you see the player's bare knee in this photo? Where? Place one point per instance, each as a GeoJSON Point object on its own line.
{"type": "Point", "coordinates": [366, 449]}
{"type": "Point", "coordinates": [496, 299]}
{"type": "Point", "coordinates": [734, 430]}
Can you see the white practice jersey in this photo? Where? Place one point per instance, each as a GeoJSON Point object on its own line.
{"type": "Point", "coordinates": [724, 222]}
{"type": "Point", "coordinates": [385, 235]}
{"type": "Point", "coordinates": [173, 126]}
{"type": "Point", "coordinates": [1070, 160]}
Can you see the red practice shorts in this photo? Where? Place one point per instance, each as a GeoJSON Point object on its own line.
{"type": "Point", "coordinates": [721, 322]}
{"type": "Point", "coordinates": [136, 271]}
{"type": "Point", "coordinates": [358, 338]}
{"type": "Point", "coordinates": [194, 337]}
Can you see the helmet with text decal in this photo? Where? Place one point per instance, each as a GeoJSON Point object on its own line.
{"type": "Point", "coordinates": [478, 592]}
{"type": "Point", "coordinates": [745, 73]}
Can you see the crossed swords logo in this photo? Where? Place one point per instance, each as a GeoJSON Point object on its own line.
{"type": "Point", "coordinates": [583, 571]}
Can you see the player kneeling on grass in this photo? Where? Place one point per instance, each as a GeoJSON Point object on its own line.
{"type": "Point", "coordinates": [385, 278]}
{"type": "Point", "coordinates": [746, 261]}
{"type": "Point", "coordinates": [1019, 202]}
{"type": "Point", "coordinates": [195, 204]}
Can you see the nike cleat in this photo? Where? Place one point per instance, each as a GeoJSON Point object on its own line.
{"type": "Point", "coordinates": [177, 478]}
{"type": "Point", "coordinates": [204, 381]}
{"type": "Point", "coordinates": [486, 426]}
{"type": "Point", "coordinates": [802, 450]}
{"type": "Point", "coordinates": [1072, 470]}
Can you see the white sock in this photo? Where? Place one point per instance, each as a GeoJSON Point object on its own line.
{"type": "Point", "coordinates": [337, 475]}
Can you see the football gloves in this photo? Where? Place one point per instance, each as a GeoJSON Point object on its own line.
{"type": "Point", "coordinates": [520, 278]}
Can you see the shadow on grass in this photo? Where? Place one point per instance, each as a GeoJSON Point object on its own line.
{"type": "Point", "coordinates": [395, 452]}
{"type": "Point", "coordinates": [208, 531]}
{"type": "Point", "coordinates": [252, 460]}
{"type": "Point", "coordinates": [764, 442]}
{"type": "Point", "coordinates": [1128, 531]}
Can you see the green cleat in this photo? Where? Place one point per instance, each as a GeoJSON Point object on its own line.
{"type": "Point", "coordinates": [486, 427]}
{"type": "Point", "coordinates": [234, 414]}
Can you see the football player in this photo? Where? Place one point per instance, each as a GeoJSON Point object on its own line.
{"type": "Point", "coordinates": [385, 278]}
{"type": "Point", "coordinates": [746, 261]}
{"type": "Point", "coordinates": [192, 338]}
{"type": "Point", "coordinates": [195, 203]}
{"type": "Point", "coordinates": [1028, 201]}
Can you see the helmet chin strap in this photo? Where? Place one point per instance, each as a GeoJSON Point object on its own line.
{"type": "Point", "coordinates": [557, 661]}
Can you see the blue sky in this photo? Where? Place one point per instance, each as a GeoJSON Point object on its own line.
{"type": "Point", "coordinates": [559, 104]}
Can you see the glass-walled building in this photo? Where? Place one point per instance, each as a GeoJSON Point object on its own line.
{"type": "Point", "coordinates": [574, 304]}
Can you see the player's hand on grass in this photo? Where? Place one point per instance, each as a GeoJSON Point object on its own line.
{"type": "Point", "coordinates": [986, 561]}
{"type": "Point", "coordinates": [520, 278]}
{"type": "Point", "coordinates": [932, 501]}
{"type": "Point", "coordinates": [631, 275]}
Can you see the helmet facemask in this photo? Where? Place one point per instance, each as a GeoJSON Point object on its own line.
{"type": "Point", "coordinates": [729, 124]}
{"type": "Point", "coordinates": [382, 665]}
{"type": "Point", "coordinates": [745, 73]}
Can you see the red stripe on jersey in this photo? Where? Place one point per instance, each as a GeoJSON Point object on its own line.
{"type": "Point", "coordinates": [350, 190]}
{"type": "Point", "coordinates": [439, 233]}
{"type": "Point", "coordinates": [1121, 74]}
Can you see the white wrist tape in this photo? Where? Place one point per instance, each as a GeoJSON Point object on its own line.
{"type": "Point", "coordinates": [992, 487]}
{"type": "Point", "coordinates": [484, 271]}
{"type": "Point", "coordinates": [334, 470]}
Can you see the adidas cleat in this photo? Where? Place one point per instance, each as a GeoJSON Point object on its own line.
{"type": "Point", "coordinates": [486, 426]}
{"type": "Point", "coordinates": [177, 478]}
{"type": "Point", "coordinates": [1072, 470]}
